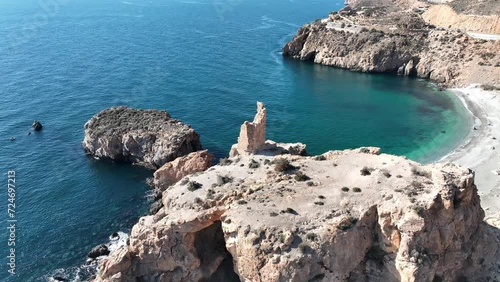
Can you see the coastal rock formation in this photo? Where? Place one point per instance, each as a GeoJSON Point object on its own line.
{"type": "Point", "coordinates": [252, 134]}
{"type": "Point", "coordinates": [395, 39]}
{"type": "Point", "coordinates": [344, 216]}
{"type": "Point", "coordinates": [352, 215]}
{"type": "Point", "coordinates": [147, 137]}
{"type": "Point", "coordinates": [445, 16]}
{"type": "Point", "coordinates": [37, 126]}
{"type": "Point", "coordinates": [101, 250]}
{"type": "Point", "coordinates": [175, 170]}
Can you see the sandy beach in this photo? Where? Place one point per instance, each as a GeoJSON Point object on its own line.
{"type": "Point", "coordinates": [481, 150]}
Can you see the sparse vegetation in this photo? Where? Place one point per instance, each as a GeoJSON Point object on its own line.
{"type": "Point", "coordinates": [489, 87]}
{"type": "Point", "coordinates": [281, 238]}
{"type": "Point", "coordinates": [419, 210]}
{"type": "Point", "coordinates": [253, 164]}
{"type": "Point", "coordinates": [345, 189]}
{"type": "Point", "coordinates": [320, 158]}
{"type": "Point", "coordinates": [356, 190]}
{"type": "Point", "coordinates": [386, 173]}
{"type": "Point", "coordinates": [304, 248]}
{"type": "Point", "coordinates": [366, 171]}
{"type": "Point", "coordinates": [193, 186]}
{"type": "Point", "coordinates": [221, 180]}
{"type": "Point", "coordinates": [418, 172]}
{"type": "Point", "coordinates": [242, 202]}
{"type": "Point", "coordinates": [311, 236]}
{"type": "Point", "coordinates": [300, 176]}
{"type": "Point", "coordinates": [282, 165]}
{"type": "Point", "coordinates": [290, 210]}
{"type": "Point", "coordinates": [319, 203]}
{"type": "Point", "coordinates": [347, 224]}
{"type": "Point", "coordinates": [225, 161]}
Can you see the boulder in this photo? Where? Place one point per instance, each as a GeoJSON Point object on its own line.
{"type": "Point", "coordinates": [147, 137]}
{"type": "Point", "coordinates": [174, 171]}
{"type": "Point", "coordinates": [98, 251]}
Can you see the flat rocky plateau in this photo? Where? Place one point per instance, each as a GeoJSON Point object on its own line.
{"type": "Point", "coordinates": [353, 215]}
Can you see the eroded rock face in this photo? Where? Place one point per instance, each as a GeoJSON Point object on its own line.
{"type": "Point", "coordinates": [147, 137]}
{"type": "Point", "coordinates": [175, 170]}
{"type": "Point", "coordinates": [353, 215]}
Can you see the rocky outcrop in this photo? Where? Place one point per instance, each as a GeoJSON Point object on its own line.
{"type": "Point", "coordinates": [37, 126]}
{"type": "Point", "coordinates": [391, 41]}
{"type": "Point", "coordinates": [343, 216]}
{"type": "Point", "coordinates": [147, 137]}
{"type": "Point", "coordinates": [175, 170]}
{"type": "Point", "coordinates": [101, 250]}
{"type": "Point", "coordinates": [352, 215]}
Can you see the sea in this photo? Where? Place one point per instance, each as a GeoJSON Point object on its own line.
{"type": "Point", "coordinates": [206, 62]}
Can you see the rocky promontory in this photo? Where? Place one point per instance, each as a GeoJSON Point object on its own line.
{"type": "Point", "coordinates": [146, 137]}
{"type": "Point", "coordinates": [393, 37]}
{"type": "Point", "coordinates": [353, 215]}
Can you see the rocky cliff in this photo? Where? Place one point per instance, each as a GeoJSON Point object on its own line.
{"type": "Point", "coordinates": [147, 137]}
{"type": "Point", "coordinates": [351, 215]}
{"type": "Point", "coordinates": [397, 40]}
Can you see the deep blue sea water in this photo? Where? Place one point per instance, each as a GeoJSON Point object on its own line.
{"type": "Point", "coordinates": [205, 62]}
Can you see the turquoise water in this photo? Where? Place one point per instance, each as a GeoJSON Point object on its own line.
{"type": "Point", "coordinates": [206, 63]}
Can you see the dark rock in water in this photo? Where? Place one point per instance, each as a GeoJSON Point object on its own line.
{"type": "Point", "coordinates": [37, 126]}
{"type": "Point", "coordinates": [101, 250]}
{"type": "Point", "coordinates": [155, 207]}
{"type": "Point", "coordinates": [157, 194]}
{"type": "Point", "coordinates": [147, 137]}
{"type": "Point", "coordinates": [13, 139]}
{"type": "Point", "coordinates": [443, 131]}
{"type": "Point", "coordinates": [115, 235]}
{"type": "Point", "coordinates": [59, 278]}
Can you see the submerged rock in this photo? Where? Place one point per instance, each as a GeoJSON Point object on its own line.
{"type": "Point", "coordinates": [146, 137]}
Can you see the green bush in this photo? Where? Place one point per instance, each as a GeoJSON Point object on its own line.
{"type": "Point", "coordinates": [193, 185]}
{"type": "Point", "coordinates": [300, 176]}
{"type": "Point", "coordinates": [282, 165]}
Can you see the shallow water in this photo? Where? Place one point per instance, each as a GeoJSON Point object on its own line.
{"type": "Point", "coordinates": [206, 63]}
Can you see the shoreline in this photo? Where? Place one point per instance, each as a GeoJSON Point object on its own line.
{"type": "Point", "coordinates": [480, 150]}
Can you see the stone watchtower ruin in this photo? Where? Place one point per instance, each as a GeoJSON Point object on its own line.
{"type": "Point", "coordinates": [252, 134]}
